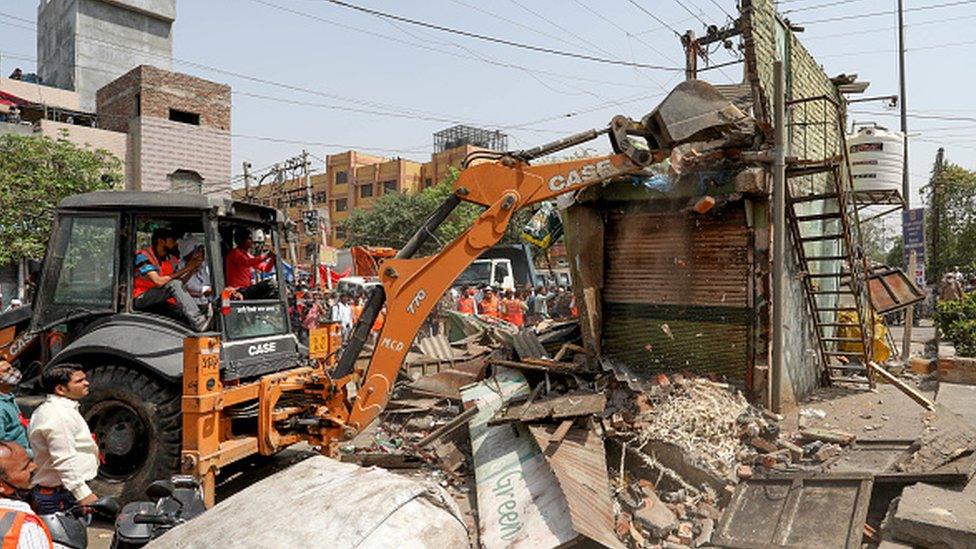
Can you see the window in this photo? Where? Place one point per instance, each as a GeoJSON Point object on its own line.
{"type": "Point", "coordinates": [341, 205]}
{"type": "Point", "coordinates": [318, 197]}
{"type": "Point", "coordinates": [185, 181]}
{"type": "Point", "coordinates": [428, 182]}
{"type": "Point", "coordinates": [340, 232]}
{"type": "Point", "coordinates": [138, 104]}
{"type": "Point", "coordinates": [389, 187]}
{"type": "Point", "coordinates": [184, 116]}
{"type": "Point", "coordinates": [366, 191]}
{"type": "Point", "coordinates": [80, 277]}
{"type": "Point", "coordinates": [342, 177]}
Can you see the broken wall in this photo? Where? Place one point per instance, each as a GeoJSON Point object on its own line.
{"type": "Point", "coordinates": [813, 135]}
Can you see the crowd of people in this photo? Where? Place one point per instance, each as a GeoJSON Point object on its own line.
{"type": "Point", "coordinates": [521, 307]}
{"type": "Point", "coordinates": [45, 463]}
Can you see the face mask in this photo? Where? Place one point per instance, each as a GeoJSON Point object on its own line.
{"type": "Point", "coordinates": [11, 377]}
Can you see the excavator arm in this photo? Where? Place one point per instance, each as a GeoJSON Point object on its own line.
{"type": "Point", "coordinates": [412, 286]}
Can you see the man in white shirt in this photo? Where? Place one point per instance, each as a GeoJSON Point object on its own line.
{"type": "Point", "coordinates": [342, 313]}
{"type": "Point", "coordinates": [64, 450]}
{"type": "Point", "coordinates": [16, 516]}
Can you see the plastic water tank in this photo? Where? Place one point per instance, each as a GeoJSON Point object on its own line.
{"type": "Point", "coordinates": [876, 156]}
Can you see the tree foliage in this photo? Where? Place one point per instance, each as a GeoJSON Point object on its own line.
{"type": "Point", "coordinates": [36, 172]}
{"type": "Point", "coordinates": [956, 202]}
{"type": "Point", "coordinates": [395, 217]}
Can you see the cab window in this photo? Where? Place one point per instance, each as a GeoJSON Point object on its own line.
{"type": "Point", "coordinates": [80, 278]}
{"type": "Point", "coordinates": [251, 267]}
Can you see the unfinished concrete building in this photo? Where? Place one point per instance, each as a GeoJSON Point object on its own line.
{"type": "Point", "coordinates": [664, 285]}
{"type": "Point", "coordinates": [83, 45]}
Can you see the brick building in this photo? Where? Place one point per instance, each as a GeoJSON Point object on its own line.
{"type": "Point", "coordinates": [178, 127]}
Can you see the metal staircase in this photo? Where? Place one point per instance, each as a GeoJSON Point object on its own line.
{"type": "Point", "coordinates": [822, 215]}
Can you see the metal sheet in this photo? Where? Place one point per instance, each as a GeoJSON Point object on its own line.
{"type": "Point", "coordinates": [527, 345]}
{"type": "Point", "coordinates": [891, 290]}
{"type": "Point", "coordinates": [579, 462]}
{"type": "Point", "coordinates": [519, 501]}
{"type": "Point", "coordinates": [798, 512]}
{"type": "Point", "coordinates": [678, 292]}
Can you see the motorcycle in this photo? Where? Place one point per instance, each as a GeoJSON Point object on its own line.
{"type": "Point", "coordinates": [69, 528]}
{"type": "Point", "coordinates": [176, 501]}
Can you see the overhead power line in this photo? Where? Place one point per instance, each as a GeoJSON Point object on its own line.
{"type": "Point", "coordinates": [496, 40]}
{"type": "Point", "coordinates": [887, 12]}
{"type": "Point", "coordinates": [889, 28]}
{"type": "Point", "coordinates": [907, 50]}
{"type": "Point", "coordinates": [818, 6]}
{"type": "Point", "coordinates": [655, 17]}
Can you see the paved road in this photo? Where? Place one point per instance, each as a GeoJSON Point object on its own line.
{"type": "Point", "coordinates": [920, 335]}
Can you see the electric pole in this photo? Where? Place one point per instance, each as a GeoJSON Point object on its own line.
{"type": "Point", "coordinates": [936, 206]}
{"type": "Point", "coordinates": [906, 350]}
{"type": "Point", "coordinates": [691, 55]}
{"type": "Point", "coordinates": [306, 172]}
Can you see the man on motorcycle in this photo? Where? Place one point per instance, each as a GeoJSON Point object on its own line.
{"type": "Point", "coordinates": [20, 528]}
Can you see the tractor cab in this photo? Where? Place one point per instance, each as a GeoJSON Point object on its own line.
{"type": "Point", "coordinates": [94, 270]}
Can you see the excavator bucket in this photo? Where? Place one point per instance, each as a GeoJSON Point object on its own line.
{"type": "Point", "coordinates": [693, 111]}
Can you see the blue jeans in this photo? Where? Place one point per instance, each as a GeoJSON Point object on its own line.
{"type": "Point", "coordinates": [47, 501]}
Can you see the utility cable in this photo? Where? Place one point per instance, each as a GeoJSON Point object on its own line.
{"type": "Point", "coordinates": [655, 17]}
{"type": "Point", "coordinates": [496, 40]}
{"type": "Point", "coordinates": [888, 12]}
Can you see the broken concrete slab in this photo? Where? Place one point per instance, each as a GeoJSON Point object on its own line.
{"type": "Point", "coordinates": [656, 517]}
{"type": "Point", "coordinates": [322, 499]}
{"type": "Point", "coordinates": [961, 399]}
{"type": "Point", "coordinates": [935, 517]}
{"type": "Point", "coordinates": [946, 439]}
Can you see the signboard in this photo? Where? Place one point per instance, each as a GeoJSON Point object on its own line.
{"type": "Point", "coordinates": [328, 256]}
{"type": "Point", "coordinates": [913, 237]}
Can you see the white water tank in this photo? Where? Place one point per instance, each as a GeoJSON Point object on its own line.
{"type": "Point", "coordinates": [876, 156]}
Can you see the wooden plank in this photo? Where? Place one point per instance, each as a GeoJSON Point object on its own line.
{"type": "Point", "coordinates": [555, 368]}
{"type": "Point", "coordinates": [563, 406]}
{"type": "Point", "coordinates": [448, 427]}
{"type": "Point", "coordinates": [902, 386]}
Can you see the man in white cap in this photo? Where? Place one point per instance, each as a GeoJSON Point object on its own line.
{"type": "Point", "coordinates": [198, 284]}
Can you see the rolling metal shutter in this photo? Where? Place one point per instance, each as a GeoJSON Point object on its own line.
{"type": "Point", "coordinates": [677, 293]}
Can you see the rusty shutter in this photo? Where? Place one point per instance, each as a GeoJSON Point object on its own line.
{"type": "Point", "coordinates": [677, 292]}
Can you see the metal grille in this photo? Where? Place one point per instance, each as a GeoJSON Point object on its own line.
{"type": "Point", "coordinates": [677, 293]}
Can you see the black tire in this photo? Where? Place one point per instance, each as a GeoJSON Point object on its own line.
{"type": "Point", "coordinates": [136, 421]}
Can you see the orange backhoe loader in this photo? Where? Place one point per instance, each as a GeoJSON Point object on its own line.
{"type": "Point", "coordinates": [346, 398]}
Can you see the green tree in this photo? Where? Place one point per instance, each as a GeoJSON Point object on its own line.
{"type": "Point", "coordinates": [395, 217]}
{"type": "Point", "coordinates": [35, 174]}
{"type": "Point", "coordinates": [956, 202]}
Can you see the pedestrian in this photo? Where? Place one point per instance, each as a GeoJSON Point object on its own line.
{"type": "Point", "coordinates": [11, 420]}
{"type": "Point", "coordinates": [64, 450]}
{"type": "Point", "coordinates": [20, 527]}
{"type": "Point", "coordinates": [540, 304]}
{"type": "Point", "coordinates": [466, 303]}
{"type": "Point", "coordinates": [342, 313]}
{"type": "Point", "coordinates": [513, 309]}
{"type": "Point", "coordinates": [489, 303]}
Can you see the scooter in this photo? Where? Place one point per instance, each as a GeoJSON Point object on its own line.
{"type": "Point", "coordinates": [176, 501]}
{"type": "Point", "coordinates": [69, 528]}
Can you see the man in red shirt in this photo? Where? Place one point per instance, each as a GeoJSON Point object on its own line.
{"type": "Point", "coordinates": [240, 264]}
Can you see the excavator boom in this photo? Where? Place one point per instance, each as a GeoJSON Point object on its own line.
{"type": "Point", "coordinates": [412, 286]}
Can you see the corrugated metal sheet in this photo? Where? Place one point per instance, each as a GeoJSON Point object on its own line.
{"type": "Point", "coordinates": [579, 462]}
{"type": "Point", "coordinates": [677, 292]}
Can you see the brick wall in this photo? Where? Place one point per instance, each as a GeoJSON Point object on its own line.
{"type": "Point", "coordinates": [166, 146]}
{"type": "Point", "coordinates": [158, 91]}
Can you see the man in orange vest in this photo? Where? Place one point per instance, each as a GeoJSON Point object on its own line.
{"type": "Point", "coordinates": [156, 279]}
{"type": "Point", "coordinates": [466, 303]}
{"type": "Point", "coordinates": [513, 309]}
{"type": "Point", "coordinates": [20, 527]}
{"type": "Point", "coordinates": [489, 304]}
